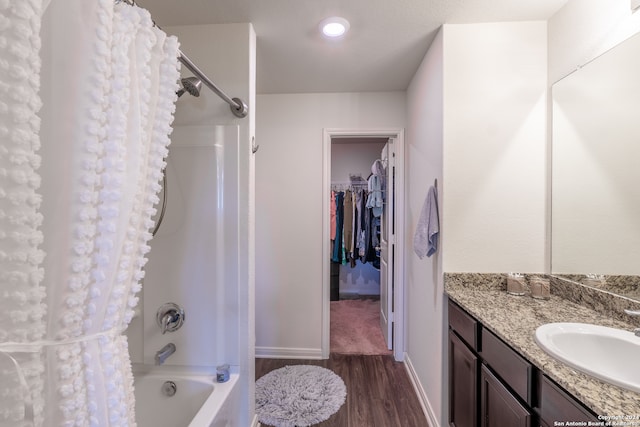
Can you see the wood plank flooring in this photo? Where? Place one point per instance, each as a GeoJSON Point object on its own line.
{"type": "Point", "coordinates": [379, 391]}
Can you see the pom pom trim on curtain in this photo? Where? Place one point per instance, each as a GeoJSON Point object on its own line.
{"type": "Point", "coordinates": [22, 297]}
{"type": "Point", "coordinates": [118, 144]}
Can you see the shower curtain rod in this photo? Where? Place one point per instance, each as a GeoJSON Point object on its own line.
{"type": "Point", "coordinates": [237, 106]}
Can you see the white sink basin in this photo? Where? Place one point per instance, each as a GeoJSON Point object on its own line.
{"type": "Point", "coordinates": [612, 355]}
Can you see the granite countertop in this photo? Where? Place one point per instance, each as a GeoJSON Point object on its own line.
{"type": "Point", "coordinates": [515, 319]}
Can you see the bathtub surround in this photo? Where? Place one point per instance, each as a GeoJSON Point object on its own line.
{"type": "Point", "coordinates": [198, 400]}
{"type": "Point", "coordinates": [154, 408]}
{"type": "Point", "coordinates": [228, 52]}
{"type": "Point", "coordinates": [106, 118]}
{"type": "Point", "coordinates": [515, 318]}
{"type": "Point", "coordinates": [193, 259]}
{"type": "Point", "coordinates": [202, 256]}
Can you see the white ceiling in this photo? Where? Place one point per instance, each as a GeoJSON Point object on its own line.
{"type": "Point", "coordinates": [381, 52]}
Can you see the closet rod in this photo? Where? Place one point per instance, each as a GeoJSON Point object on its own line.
{"type": "Point", "coordinates": [237, 106]}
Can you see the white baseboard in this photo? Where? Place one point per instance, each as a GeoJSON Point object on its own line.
{"type": "Point", "coordinates": [288, 353]}
{"type": "Point", "coordinates": [422, 396]}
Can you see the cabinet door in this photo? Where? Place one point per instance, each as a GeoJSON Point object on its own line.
{"type": "Point", "coordinates": [498, 407]}
{"type": "Point", "coordinates": [556, 405]}
{"type": "Point", "coordinates": [463, 384]}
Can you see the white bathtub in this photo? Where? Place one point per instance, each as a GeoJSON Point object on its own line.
{"type": "Point", "coordinates": [199, 401]}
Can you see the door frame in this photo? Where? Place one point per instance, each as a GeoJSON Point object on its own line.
{"type": "Point", "coordinates": [398, 293]}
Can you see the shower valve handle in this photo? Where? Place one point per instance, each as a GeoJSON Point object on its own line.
{"type": "Point", "coordinates": [170, 317]}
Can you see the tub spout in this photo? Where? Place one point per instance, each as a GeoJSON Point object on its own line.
{"type": "Point", "coordinates": [164, 353]}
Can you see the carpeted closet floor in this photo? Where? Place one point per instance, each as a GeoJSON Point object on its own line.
{"type": "Point", "coordinates": [355, 327]}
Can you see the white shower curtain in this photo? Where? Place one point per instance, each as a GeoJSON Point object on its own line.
{"type": "Point", "coordinates": [86, 107]}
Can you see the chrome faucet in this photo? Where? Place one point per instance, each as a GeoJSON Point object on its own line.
{"type": "Point", "coordinates": [164, 353]}
{"type": "Point", "coordinates": [170, 317]}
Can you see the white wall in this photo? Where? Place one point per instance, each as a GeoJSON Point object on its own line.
{"type": "Point", "coordinates": [495, 147]}
{"type": "Point", "coordinates": [289, 208]}
{"type": "Point", "coordinates": [353, 158]}
{"type": "Point", "coordinates": [584, 29]}
{"type": "Point", "coordinates": [424, 327]}
{"type": "Point", "coordinates": [477, 123]}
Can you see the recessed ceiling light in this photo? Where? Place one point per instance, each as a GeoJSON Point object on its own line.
{"type": "Point", "coordinates": [334, 27]}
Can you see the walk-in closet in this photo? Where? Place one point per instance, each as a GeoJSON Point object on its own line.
{"type": "Point", "coordinates": [358, 196]}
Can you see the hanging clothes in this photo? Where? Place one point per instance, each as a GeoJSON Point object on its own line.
{"type": "Point", "coordinates": [361, 238]}
{"type": "Point", "coordinates": [354, 221]}
{"type": "Point", "coordinates": [356, 234]}
{"type": "Point", "coordinates": [348, 223]}
{"type": "Point", "coordinates": [337, 243]}
{"type": "Point", "coordinates": [332, 216]}
{"type": "Point", "coordinates": [375, 199]}
{"type": "Point", "coordinates": [371, 240]}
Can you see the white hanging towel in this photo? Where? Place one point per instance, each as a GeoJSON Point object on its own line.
{"type": "Point", "coordinates": [425, 240]}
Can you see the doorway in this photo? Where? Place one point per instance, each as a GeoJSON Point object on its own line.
{"type": "Point", "coordinates": [377, 277]}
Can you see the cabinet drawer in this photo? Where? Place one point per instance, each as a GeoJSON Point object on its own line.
{"type": "Point", "coordinates": [464, 325]}
{"type": "Point", "coordinates": [509, 365]}
{"type": "Point", "coordinates": [557, 405]}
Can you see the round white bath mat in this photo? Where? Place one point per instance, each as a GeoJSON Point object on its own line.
{"type": "Point", "coordinates": [298, 396]}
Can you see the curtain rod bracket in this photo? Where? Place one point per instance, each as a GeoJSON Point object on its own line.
{"type": "Point", "coordinates": [240, 109]}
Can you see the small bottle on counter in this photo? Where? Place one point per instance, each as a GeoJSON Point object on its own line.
{"type": "Point", "coordinates": [516, 284]}
{"type": "Point", "coordinates": [222, 373]}
{"type": "Point", "coordinates": [540, 287]}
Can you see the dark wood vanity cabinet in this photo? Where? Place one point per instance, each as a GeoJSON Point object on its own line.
{"type": "Point", "coordinates": [492, 385]}
{"type": "Point", "coordinates": [463, 383]}
{"type": "Point", "coordinates": [464, 368]}
{"type": "Point", "coordinates": [499, 407]}
{"type": "Point", "coordinates": [507, 395]}
{"type": "Point", "coordinates": [556, 405]}
{"type": "Point", "coordinates": [464, 365]}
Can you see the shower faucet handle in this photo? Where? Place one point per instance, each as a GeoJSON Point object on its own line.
{"type": "Point", "coordinates": [170, 317]}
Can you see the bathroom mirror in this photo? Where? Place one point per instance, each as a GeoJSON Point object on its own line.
{"type": "Point", "coordinates": [596, 172]}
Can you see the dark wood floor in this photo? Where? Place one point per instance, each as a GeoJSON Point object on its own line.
{"type": "Point", "coordinates": [379, 391]}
